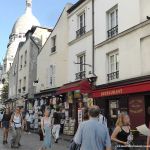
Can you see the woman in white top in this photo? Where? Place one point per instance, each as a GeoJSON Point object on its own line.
{"type": "Point", "coordinates": [16, 124]}
{"type": "Point", "coordinates": [46, 129]}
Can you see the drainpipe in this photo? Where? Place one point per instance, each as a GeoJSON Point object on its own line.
{"type": "Point", "coordinates": [93, 38]}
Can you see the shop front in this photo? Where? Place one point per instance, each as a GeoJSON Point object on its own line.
{"type": "Point", "coordinates": [129, 97]}
{"type": "Point", "coordinates": [76, 101]}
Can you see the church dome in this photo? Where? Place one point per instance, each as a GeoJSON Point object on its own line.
{"type": "Point", "coordinates": [26, 21]}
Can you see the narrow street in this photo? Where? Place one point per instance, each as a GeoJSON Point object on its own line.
{"type": "Point", "coordinates": [31, 142]}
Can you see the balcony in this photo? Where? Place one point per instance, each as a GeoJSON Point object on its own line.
{"type": "Point", "coordinates": [80, 32]}
{"type": "Point", "coordinates": [53, 49]}
{"type": "Point", "coordinates": [113, 75]}
{"type": "Point", "coordinates": [24, 89]}
{"type": "Point", "coordinates": [112, 32]}
{"type": "Point", "coordinates": [80, 75]}
{"type": "Point", "coordinates": [19, 90]}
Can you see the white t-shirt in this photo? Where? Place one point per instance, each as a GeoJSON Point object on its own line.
{"type": "Point", "coordinates": [17, 121]}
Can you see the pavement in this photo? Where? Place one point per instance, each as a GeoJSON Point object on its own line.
{"type": "Point", "coordinates": [32, 142]}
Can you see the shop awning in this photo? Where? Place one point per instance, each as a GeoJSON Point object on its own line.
{"type": "Point", "coordinates": [84, 86]}
{"type": "Point", "coordinates": [121, 90]}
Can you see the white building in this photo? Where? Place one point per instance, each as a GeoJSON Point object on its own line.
{"type": "Point", "coordinates": [52, 62]}
{"type": "Point", "coordinates": [24, 68]}
{"type": "Point", "coordinates": [80, 40]}
{"type": "Point", "coordinates": [122, 57]}
{"type": "Point", "coordinates": [21, 26]}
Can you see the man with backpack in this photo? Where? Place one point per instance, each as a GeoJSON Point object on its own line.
{"type": "Point", "coordinates": [16, 124]}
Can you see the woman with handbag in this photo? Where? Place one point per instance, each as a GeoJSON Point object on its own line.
{"type": "Point", "coordinates": [46, 129]}
{"type": "Point", "coordinates": [122, 135]}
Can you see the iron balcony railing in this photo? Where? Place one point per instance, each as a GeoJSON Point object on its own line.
{"type": "Point", "coordinates": [80, 75]}
{"type": "Point", "coordinates": [112, 32]}
{"type": "Point", "coordinates": [113, 75]}
{"type": "Point", "coordinates": [80, 32]}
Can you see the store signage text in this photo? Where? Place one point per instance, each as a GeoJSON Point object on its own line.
{"type": "Point", "coordinates": [112, 92]}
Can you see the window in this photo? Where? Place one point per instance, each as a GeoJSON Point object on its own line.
{"type": "Point", "coordinates": [113, 66]}
{"type": "Point", "coordinates": [52, 75]}
{"type": "Point", "coordinates": [81, 25]}
{"type": "Point", "coordinates": [19, 90]}
{"type": "Point", "coordinates": [112, 22]}
{"type": "Point", "coordinates": [21, 59]}
{"type": "Point", "coordinates": [53, 49]}
{"type": "Point", "coordinates": [81, 69]}
{"type": "Point", "coordinates": [25, 58]}
{"type": "Point", "coordinates": [24, 84]}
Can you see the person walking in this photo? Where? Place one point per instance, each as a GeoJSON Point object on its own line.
{"type": "Point", "coordinates": [5, 125]}
{"type": "Point", "coordinates": [16, 124]}
{"type": "Point", "coordinates": [56, 124]}
{"type": "Point", "coordinates": [91, 134]}
{"type": "Point", "coordinates": [46, 129]}
{"type": "Point", "coordinates": [28, 121]}
{"type": "Point", "coordinates": [1, 117]}
{"type": "Point", "coordinates": [122, 134]}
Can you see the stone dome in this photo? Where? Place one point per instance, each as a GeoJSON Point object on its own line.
{"type": "Point", "coordinates": [26, 21]}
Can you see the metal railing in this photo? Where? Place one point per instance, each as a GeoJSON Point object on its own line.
{"type": "Point", "coordinates": [113, 75]}
{"type": "Point", "coordinates": [112, 32]}
{"type": "Point", "coordinates": [81, 75]}
{"type": "Point", "coordinates": [80, 32]}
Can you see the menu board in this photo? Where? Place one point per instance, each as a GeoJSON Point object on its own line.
{"type": "Point", "coordinates": [69, 127]}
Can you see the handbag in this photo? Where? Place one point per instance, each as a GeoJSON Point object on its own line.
{"type": "Point", "coordinates": [74, 146]}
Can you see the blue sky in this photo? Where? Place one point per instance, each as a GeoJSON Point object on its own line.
{"type": "Point", "coordinates": [47, 12]}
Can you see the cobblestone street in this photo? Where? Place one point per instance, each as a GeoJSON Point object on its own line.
{"type": "Point", "coordinates": [31, 142]}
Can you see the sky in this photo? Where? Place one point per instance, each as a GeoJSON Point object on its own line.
{"type": "Point", "coordinates": [46, 11]}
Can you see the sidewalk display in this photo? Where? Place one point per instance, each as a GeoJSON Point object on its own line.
{"type": "Point", "coordinates": [69, 127]}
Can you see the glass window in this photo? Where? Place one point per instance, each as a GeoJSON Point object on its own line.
{"type": "Point", "coordinates": [81, 62]}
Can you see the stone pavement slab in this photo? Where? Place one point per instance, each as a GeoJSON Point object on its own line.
{"type": "Point", "coordinates": [32, 142]}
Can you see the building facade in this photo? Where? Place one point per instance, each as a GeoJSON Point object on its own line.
{"type": "Point", "coordinates": [121, 59]}
{"type": "Point", "coordinates": [52, 62]}
{"type": "Point", "coordinates": [24, 68]}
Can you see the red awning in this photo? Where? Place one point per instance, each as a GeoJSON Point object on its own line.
{"type": "Point", "coordinates": [120, 90]}
{"type": "Point", "coordinates": [84, 87]}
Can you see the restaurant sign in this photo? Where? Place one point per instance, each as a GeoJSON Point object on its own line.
{"type": "Point", "coordinates": [112, 92]}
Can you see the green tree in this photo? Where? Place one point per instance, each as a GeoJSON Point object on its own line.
{"type": "Point", "coordinates": [5, 92]}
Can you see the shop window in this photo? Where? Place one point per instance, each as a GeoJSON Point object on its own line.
{"type": "Point", "coordinates": [113, 66]}
{"type": "Point", "coordinates": [114, 108]}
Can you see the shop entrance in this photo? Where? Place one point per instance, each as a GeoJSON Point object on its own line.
{"type": "Point", "coordinates": [147, 109]}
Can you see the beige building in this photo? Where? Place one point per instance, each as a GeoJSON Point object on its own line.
{"type": "Point", "coordinates": [52, 62]}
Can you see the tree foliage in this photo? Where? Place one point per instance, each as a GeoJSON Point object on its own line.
{"type": "Point", "coordinates": [5, 92]}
